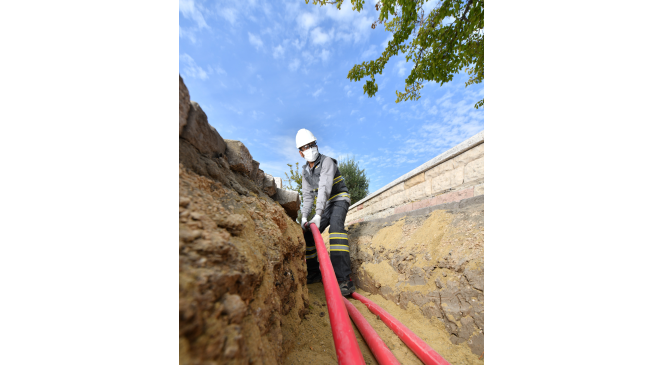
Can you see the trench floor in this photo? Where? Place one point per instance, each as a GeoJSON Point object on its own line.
{"type": "Point", "coordinates": [315, 345]}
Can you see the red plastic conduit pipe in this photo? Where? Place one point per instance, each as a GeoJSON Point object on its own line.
{"type": "Point", "coordinates": [345, 343]}
{"type": "Point", "coordinates": [428, 355]}
{"type": "Point", "coordinates": [383, 354]}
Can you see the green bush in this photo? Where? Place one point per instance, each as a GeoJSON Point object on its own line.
{"type": "Point", "coordinates": [355, 178]}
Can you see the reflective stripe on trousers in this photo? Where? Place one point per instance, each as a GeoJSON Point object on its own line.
{"type": "Point", "coordinates": [333, 216]}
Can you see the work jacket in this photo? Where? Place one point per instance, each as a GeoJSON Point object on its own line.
{"type": "Point", "coordinates": [322, 184]}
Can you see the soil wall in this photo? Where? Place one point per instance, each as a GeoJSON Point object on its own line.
{"type": "Point", "coordinates": [432, 258]}
{"type": "Point", "coordinates": [242, 274]}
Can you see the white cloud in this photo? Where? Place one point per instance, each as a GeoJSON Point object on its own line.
{"type": "Point", "coordinates": [445, 100]}
{"type": "Point", "coordinates": [188, 34]}
{"type": "Point", "coordinates": [229, 14]}
{"type": "Point", "coordinates": [387, 40]}
{"type": "Point", "coordinates": [328, 150]}
{"type": "Point", "coordinates": [278, 51]}
{"type": "Point", "coordinates": [353, 112]}
{"type": "Point", "coordinates": [317, 92]}
{"type": "Point", "coordinates": [428, 6]}
{"type": "Point", "coordinates": [369, 53]}
{"type": "Point", "coordinates": [308, 57]}
{"type": "Point", "coordinates": [233, 109]}
{"type": "Point", "coordinates": [307, 20]}
{"type": "Point", "coordinates": [298, 44]}
{"type": "Point", "coordinates": [379, 99]}
{"type": "Point", "coordinates": [216, 69]}
{"type": "Point", "coordinates": [284, 146]}
{"type": "Point", "coordinates": [454, 123]}
{"type": "Point", "coordinates": [361, 119]}
{"type": "Point", "coordinates": [401, 68]}
{"type": "Point", "coordinates": [282, 103]}
{"type": "Point", "coordinates": [255, 41]}
{"type": "Point", "coordinates": [383, 83]}
{"type": "Point", "coordinates": [294, 65]}
{"type": "Point", "coordinates": [191, 69]}
{"type": "Point", "coordinates": [346, 37]}
{"type": "Point", "coordinates": [351, 25]}
{"type": "Point", "coordinates": [191, 11]}
{"type": "Point", "coordinates": [324, 55]}
{"type": "Point", "coordinates": [319, 37]}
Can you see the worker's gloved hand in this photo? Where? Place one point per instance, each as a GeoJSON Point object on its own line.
{"type": "Point", "coordinates": [304, 221]}
{"type": "Point", "coordinates": [316, 221]}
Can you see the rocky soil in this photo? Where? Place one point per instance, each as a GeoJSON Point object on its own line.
{"type": "Point", "coordinates": [242, 274]}
{"type": "Point", "coordinates": [433, 262]}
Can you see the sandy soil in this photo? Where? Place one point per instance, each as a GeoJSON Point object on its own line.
{"type": "Point", "coordinates": [314, 344]}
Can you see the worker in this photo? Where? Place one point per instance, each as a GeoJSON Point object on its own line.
{"type": "Point", "coordinates": [324, 187]}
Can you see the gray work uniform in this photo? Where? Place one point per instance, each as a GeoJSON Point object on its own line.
{"type": "Point", "coordinates": [321, 184]}
{"type": "Point", "coordinates": [324, 186]}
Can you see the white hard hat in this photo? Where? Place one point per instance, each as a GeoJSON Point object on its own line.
{"type": "Point", "coordinates": [303, 137]}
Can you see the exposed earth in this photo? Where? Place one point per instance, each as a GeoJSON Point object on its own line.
{"type": "Point", "coordinates": [315, 344]}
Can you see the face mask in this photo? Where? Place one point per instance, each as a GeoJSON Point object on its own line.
{"type": "Point", "coordinates": [311, 154]}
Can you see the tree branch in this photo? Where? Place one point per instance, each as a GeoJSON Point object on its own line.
{"type": "Point", "coordinates": [465, 11]}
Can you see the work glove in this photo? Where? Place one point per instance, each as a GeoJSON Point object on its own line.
{"type": "Point", "coordinates": [304, 222]}
{"type": "Point", "coordinates": [316, 221]}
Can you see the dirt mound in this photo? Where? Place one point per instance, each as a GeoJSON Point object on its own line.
{"type": "Point", "coordinates": [242, 272]}
{"type": "Point", "coordinates": [432, 262]}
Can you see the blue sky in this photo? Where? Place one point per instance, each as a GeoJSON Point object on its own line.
{"type": "Point", "coordinates": [262, 70]}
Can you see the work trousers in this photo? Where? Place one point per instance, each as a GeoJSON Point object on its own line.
{"type": "Point", "coordinates": [333, 216]}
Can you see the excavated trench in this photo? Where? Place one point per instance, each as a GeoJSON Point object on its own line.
{"type": "Point", "coordinates": [426, 269]}
{"type": "Point", "coordinates": [243, 297]}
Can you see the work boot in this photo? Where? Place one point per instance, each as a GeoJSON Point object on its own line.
{"type": "Point", "coordinates": [347, 288]}
{"type": "Point", "coordinates": [314, 278]}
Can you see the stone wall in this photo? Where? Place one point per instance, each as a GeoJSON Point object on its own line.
{"type": "Point", "coordinates": [452, 176]}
